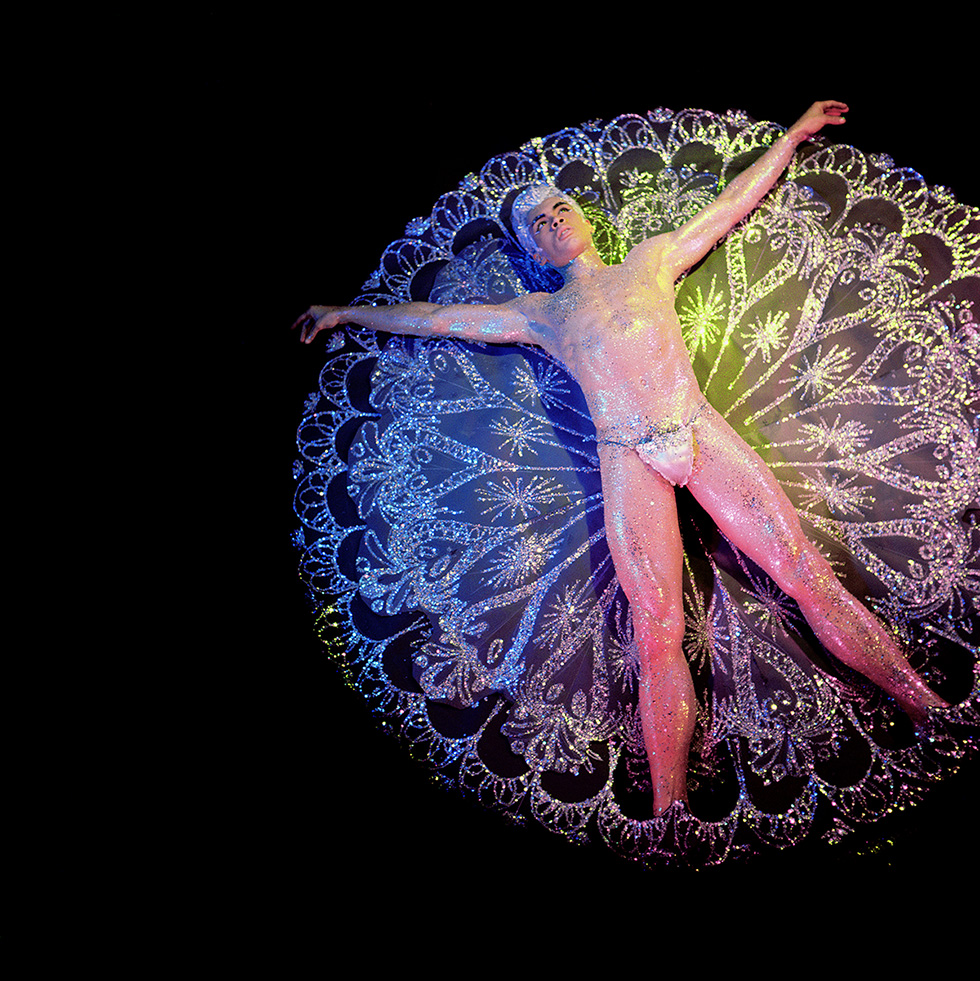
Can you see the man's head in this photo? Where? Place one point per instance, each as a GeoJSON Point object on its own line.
{"type": "Point", "coordinates": [529, 208]}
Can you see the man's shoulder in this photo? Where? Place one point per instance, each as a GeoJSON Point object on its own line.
{"type": "Point", "coordinates": [657, 255]}
{"type": "Point", "coordinates": [533, 305]}
{"type": "Point", "coordinates": [539, 312]}
{"type": "Point", "coordinates": [650, 248]}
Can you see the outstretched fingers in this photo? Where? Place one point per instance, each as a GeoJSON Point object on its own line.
{"type": "Point", "coordinates": [833, 112]}
{"type": "Point", "coordinates": [829, 112]}
{"type": "Point", "coordinates": [315, 319]}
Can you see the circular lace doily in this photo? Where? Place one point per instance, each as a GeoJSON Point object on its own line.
{"type": "Point", "coordinates": [451, 525]}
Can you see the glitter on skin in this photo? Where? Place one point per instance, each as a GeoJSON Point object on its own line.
{"type": "Point", "coordinates": [616, 330]}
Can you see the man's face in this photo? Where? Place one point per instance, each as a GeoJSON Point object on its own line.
{"type": "Point", "coordinates": [559, 232]}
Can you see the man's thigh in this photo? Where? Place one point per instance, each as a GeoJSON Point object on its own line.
{"type": "Point", "coordinates": [734, 485]}
{"type": "Point", "coordinates": [641, 529]}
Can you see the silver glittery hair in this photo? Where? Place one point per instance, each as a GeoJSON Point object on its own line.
{"type": "Point", "coordinates": [529, 199]}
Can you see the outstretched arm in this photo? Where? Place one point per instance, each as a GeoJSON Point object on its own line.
{"type": "Point", "coordinates": [693, 240]}
{"type": "Point", "coordinates": [504, 323]}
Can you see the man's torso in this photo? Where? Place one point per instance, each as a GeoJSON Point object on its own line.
{"type": "Point", "coordinates": [618, 334]}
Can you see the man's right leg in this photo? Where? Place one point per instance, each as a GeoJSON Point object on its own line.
{"type": "Point", "coordinates": [645, 544]}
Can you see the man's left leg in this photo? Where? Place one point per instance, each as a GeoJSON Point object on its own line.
{"type": "Point", "coordinates": [733, 484]}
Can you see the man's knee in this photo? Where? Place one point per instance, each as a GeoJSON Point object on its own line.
{"type": "Point", "coordinates": [803, 572]}
{"type": "Point", "coordinates": [659, 624]}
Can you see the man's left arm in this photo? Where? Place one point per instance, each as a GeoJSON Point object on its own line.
{"type": "Point", "coordinates": [685, 246]}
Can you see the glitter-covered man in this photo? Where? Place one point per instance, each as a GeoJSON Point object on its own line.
{"type": "Point", "coordinates": [616, 331]}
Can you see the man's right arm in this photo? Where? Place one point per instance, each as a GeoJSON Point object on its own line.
{"type": "Point", "coordinates": [504, 323]}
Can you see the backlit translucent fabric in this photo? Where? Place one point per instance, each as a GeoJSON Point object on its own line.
{"type": "Point", "coordinates": [452, 526]}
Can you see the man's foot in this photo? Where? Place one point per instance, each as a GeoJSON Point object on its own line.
{"type": "Point", "coordinates": [918, 705]}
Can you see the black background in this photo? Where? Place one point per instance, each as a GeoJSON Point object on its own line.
{"type": "Point", "coordinates": [319, 142]}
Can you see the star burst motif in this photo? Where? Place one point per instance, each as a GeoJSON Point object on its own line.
{"type": "Point", "coordinates": [624, 661]}
{"type": "Point", "coordinates": [523, 559]}
{"type": "Point", "coordinates": [517, 435]}
{"type": "Point", "coordinates": [770, 604]}
{"type": "Point", "coordinates": [516, 496]}
{"type": "Point", "coordinates": [548, 382]}
{"type": "Point", "coordinates": [825, 371]}
{"type": "Point", "coordinates": [697, 632]}
{"type": "Point", "coordinates": [565, 616]}
{"type": "Point", "coordinates": [766, 335]}
{"type": "Point", "coordinates": [844, 438]}
{"type": "Point", "coordinates": [841, 496]}
{"type": "Point", "coordinates": [701, 318]}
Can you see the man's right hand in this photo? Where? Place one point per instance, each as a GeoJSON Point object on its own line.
{"type": "Point", "coordinates": [319, 318]}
